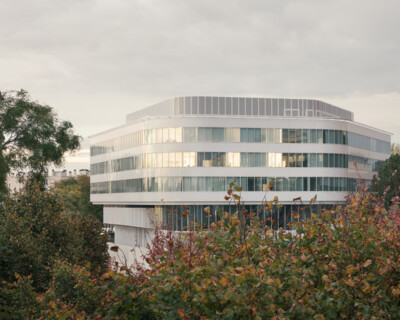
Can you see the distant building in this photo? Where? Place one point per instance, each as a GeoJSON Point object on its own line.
{"type": "Point", "coordinates": [57, 176]}
{"type": "Point", "coordinates": [172, 160]}
{"type": "Point", "coordinates": [13, 182]}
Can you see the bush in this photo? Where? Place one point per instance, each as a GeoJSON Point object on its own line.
{"type": "Point", "coordinates": [340, 264]}
{"type": "Point", "coordinates": [35, 231]}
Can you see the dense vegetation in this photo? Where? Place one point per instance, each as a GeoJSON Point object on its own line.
{"type": "Point", "coordinates": [36, 232]}
{"type": "Point", "coordinates": [75, 193]}
{"type": "Point", "coordinates": [340, 264]}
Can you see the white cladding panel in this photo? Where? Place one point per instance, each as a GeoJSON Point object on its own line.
{"type": "Point", "coordinates": [134, 217]}
{"type": "Point", "coordinates": [132, 236]}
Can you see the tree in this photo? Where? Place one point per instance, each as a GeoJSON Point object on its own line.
{"type": "Point", "coordinates": [36, 231]}
{"type": "Point", "coordinates": [388, 181]}
{"type": "Point", "coordinates": [75, 193]}
{"type": "Point", "coordinates": [31, 135]}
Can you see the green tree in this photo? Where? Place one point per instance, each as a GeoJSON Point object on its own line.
{"type": "Point", "coordinates": [387, 183]}
{"type": "Point", "coordinates": [31, 136]}
{"type": "Point", "coordinates": [75, 193]}
{"type": "Point", "coordinates": [36, 231]}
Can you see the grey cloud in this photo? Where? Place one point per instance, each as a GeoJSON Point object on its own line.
{"type": "Point", "coordinates": [82, 56]}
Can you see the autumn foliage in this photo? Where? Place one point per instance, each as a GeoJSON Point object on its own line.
{"type": "Point", "coordinates": [340, 264]}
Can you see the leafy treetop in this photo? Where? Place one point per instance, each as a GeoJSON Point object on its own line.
{"type": "Point", "coordinates": [31, 135]}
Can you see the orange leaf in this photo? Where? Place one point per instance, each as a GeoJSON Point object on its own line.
{"type": "Point", "coordinates": [207, 210]}
{"type": "Point", "coordinates": [224, 281]}
{"type": "Point", "coordinates": [181, 313]}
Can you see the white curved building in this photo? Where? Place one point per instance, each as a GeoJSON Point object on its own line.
{"type": "Point", "coordinates": [173, 159]}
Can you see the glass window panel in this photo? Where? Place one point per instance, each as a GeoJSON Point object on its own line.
{"type": "Point", "coordinates": [251, 135]}
{"type": "Point", "coordinates": [214, 105]}
{"type": "Point", "coordinates": [320, 160]}
{"type": "Point", "coordinates": [264, 135]}
{"type": "Point", "coordinates": [255, 107]}
{"type": "Point", "coordinates": [281, 107]}
{"type": "Point", "coordinates": [313, 184]}
{"type": "Point", "coordinates": [193, 184]}
{"type": "Point", "coordinates": [285, 184]}
{"type": "Point", "coordinates": [208, 105]}
{"type": "Point", "coordinates": [292, 135]}
{"type": "Point", "coordinates": [165, 159]}
{"type": "Point", "coordinates": [258, 159]}
{"type": "Point", "coordinates": [242, 108]}
{"type": "Point", "coordinates": [200, 159]}
{"type": "Point", "coordinates": [285, 135]}
{"type": "Point", "coordinates": [244, 159]}
{"type": "Point", "coordinates": [207, 159]}
{"type": "Point", "coordinates": [319, 184]}
{"type": "Point", "coordinates": [326, 136]}
{"type": "Point", "coordinates": [186, 184]}
{"type": "Point", "coordinates": [221, 106]}
{"type": "Point", "coordinates": [159, 135]}
{"type": "Point", "coordinates": [235, 106]}
{"type": "Point", "coordinates": [285, 160]}
{"type": "Point", "coordinates": [249, 110]}
{"type": "Point", "coordinates": [261, 107]}
{"type": "Point", "coordinates": [305, 184]}
{"type": "Point", "coordinates": [178, 135]}
{"type": "Point", "coordinates": [326, 160]}
{"type": "Point", "coordinates": [244, 135]}
{"type": "Point", "coordinates": [268, 107]}
{"type": "Point", "coordinates": [313, 136]}
{"type": "Point", "coordinates": [202, 105]}
{"type": "Point", "coordinates": [251, 160]}
{"type": "Point", "coordinates": [274, 107]}
{"type": "Point", "coordinates": [299, 184]}
{"type": "Point", "coordinates": [214, 159]}
{"type": "Point", "coordinates": [251, 184]}
{"type": "Point", "coordinates": [187, 106]}
{"type": "Point", "coordinates": [299, 160]}
{"type": "Point", "coordinates": [313, 160]}
{"type": "Point", "coordinates": [236, 159]}
{"type": "Point", "coordinates": [278, 184]}
{"type": "Point", "coordinates": [208, 184]}
{"type": "Point", "coordinates": [258, 184]}
{"type": "Point", "coordinates": [201, 134]}
{"type": "Point", "coordinates": [292, 160]}
{"type": "Point", "coordinates": [171, 135]}
{"type": "Point", "coordinates": [243, 183]}
{"type": "Point", "coordinates": [298, 135]}
{"type": "Point", "coordinates": [332, 136]}
{"type": "Point", "coordinates": [292, 184]}
{"type": "Point", "coordinates": [195, 105]}
{"type": "Point", "coordinates": [228, 106]}
{"type": "Point", "coordinates": [306, 136]}
{"type": "Point", "coordinates": [201, 183]}
{"type": "Point", "coordinates": [208, 135]}
{"type": "Point", "coordinates": [320, 138]}
{"type": "Point", "coordinates": [181, 105]}
{"type": "Point", "coordinates": [257, 135]}
{"type": "Point", "coordinates": [165, 135]}
{"type": "Point", "coordinates": [178, 159]}
{"type": "Point", "coordinates": [331, 160]}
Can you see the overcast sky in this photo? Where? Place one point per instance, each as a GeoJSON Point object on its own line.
{"type": "Point", "coordinates": [94, 61]}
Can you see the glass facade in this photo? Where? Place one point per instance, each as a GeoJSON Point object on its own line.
{"type": "Point", "coordinates": [195, 184]}
{"type": "Point", "coordinates": [195, 217]}
{"type": "Point", "coordinates": [239, 135]}
{"type": "Point", "coordinates": [233, 159]}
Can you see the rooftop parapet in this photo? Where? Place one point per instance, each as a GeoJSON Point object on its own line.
{"type": "Point", "coordinates": [241, 107]}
